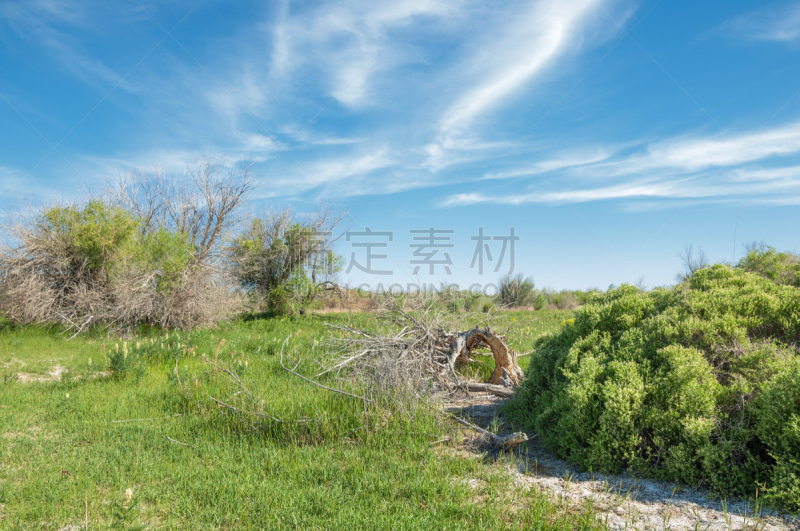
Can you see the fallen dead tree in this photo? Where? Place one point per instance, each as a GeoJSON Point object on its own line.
{"type": "Point", "coordinates": [414, 344]}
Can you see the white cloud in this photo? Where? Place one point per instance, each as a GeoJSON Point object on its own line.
{"type": "Point", "coordinates": [348, 41]}
{"type": "Point", "coordinates": [345, 168]}
{"type": "Point", "coordinates": [785, 191]}
{"type": "Point", "coordinates": [779, 24]}
{"type": "Point", "coordinates": [451, 151]}
{"type": "Point", "coordinates": [48, 24]}
{"type": "Point", "coordinates": [338, 176]}
{"type": "Point", "coordinates": [686, 167]}
{"type": "Point", "coordinates": [526, 46]}
{"type": "Point", "coordinates": [696, 153]}
{"type": "Point", "coordinates": [516, 56]}
{"type": "Point", "coordinates": [568, 159]}
{"type": "Point", "coordinates": [259, 143]}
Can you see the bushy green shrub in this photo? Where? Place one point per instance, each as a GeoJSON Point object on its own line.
{"type": "Point", "coordinates": [539, 302]}
{"type": "Point", "coordinates": [273, 258]}
{"type": "Point", "coordinates": [472, 301]}
{"type": "Point", "coordinates": [456, 305]}
{"type": "Point", "coordinates": [95, 237]}
{"type": "Point", "coordinates": [783, 268]}
{"type": "Point", "coordinates": [167, 253]}
{"type": "Point", "coordinates": [699, 383]}
{"type": "Point", "coordinates": [516, 291]}
{"type": "Point", "coordinates": [289, 296]}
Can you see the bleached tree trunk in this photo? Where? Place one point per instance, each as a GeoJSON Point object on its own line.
{"type": "Point", "coordinates": [507, 371]}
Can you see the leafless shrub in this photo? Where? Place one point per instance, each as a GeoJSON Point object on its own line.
{"type": "Point", "coordinates": [755, 245]}
{"type": "Point", "coordinates": [202, 202]}
{"type": "Point", "coordinates": [692, 261]}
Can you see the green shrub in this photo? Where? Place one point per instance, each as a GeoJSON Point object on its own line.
{"type": "Point", "coordinates": [472, 301]}
{"type": "Point", "coordinates": [778, 421]}
{"type": "Point", "coordinates": [539, 302]}
{"type": "Point", "coordinates": [273, 258]}
{"type": "Point", "coordinates": [516, 291]}
{"type": "Point", "coordinates": [783, 268]}
{"type": "Point", "coordinates": [95, 237]}
{"type": "Point", "coordinates": [456, 305]}
{"type": "Point", "coordinates": [165, 252]}
{"type": "Point", "coordinates": [124, 361]}
{"type": "Point", "coordinates": [699, 383]}
{"type": "Point", "coordinates": [290, 296]}
{"type": "Point", "coordinates": [564, 300]}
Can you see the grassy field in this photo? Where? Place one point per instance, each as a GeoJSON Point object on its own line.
{"type": "Point", "coordinates": [73, 455]}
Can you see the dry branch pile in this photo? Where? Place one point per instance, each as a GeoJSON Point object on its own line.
{"type": "Point", "coordinates": [413, 345]}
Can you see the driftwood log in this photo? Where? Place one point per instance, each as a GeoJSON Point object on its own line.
{"type": "Point", "coordinates": [507, 372]}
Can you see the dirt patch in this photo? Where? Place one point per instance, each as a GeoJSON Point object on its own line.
{"type": "Point", "coordinates": [52, 376]}
{"type": "Point", "coordinates": [621, 501]}
{"type": "Point", "coordinates": [33, 433]}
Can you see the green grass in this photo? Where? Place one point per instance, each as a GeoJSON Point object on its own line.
{"type": "Point", "coordinates": [64, 462]}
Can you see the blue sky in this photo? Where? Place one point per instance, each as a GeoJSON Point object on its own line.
{"type": "Point", "coordinates": [609, 134]}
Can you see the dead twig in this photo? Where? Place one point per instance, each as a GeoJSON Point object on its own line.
{"type": "Point", "coordinates": [236, 409]}
{"type": "Point", "coordinates": [504, 442]}
{"type": "Point", "coordinates": [367, 400]}
{"type": "Point", "coordinates": [178, 442]}
{"type": "Point", "coordinates": [497, 390]}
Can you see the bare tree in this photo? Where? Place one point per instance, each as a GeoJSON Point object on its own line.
{"type": "Point", "coordinates": [322, 260]}
{"type": "Point", "coordinates": [755, 246]}
{"type": "Point", "coordinates": [200, 203]}
{"type": "Point", "coordinates": [692, 261]}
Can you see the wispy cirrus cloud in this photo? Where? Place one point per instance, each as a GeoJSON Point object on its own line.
{"type": "Point", "coordinates": [528, 44]}
{"type": "Point", "coordinates": [342, 46]}
{"type": "Point", "coordinates": [761, 164]}
{"type": "Point", "coordinates": [565, 160]}
{"type": "Point", "coordinates": [362, 110]}
{"type": "Point", "coordinates": [510, 61]}
{"type": "Point", "coordinates": [51, 26]}
{"type": "Point", "coordinates": [779, 23]}
{"type": "Point", "coordinates": [693, 153]}
{"type": "Point", "coordinates": [353, 53]}
{"type": "Point", "coordinates": [782, 190]}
